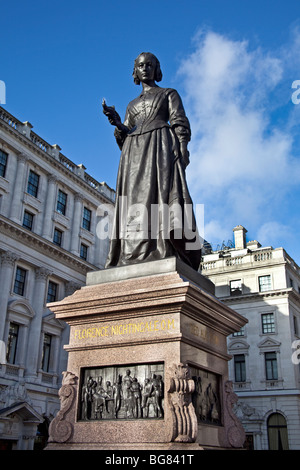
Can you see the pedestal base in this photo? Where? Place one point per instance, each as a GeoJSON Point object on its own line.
{"type": "Point", "coordinates": [147, 362]}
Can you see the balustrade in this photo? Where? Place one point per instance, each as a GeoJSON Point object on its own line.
{"type": "Point", "coordinates": [263, 256]}
{"type": "Point", "coordinates": [9, 119]}
{"type": "Point", "coordinates": [67, 163]}
{"type": "Point", "coordinates": [42, 144]}
{"type": "Point", "coordinates": [208, 265]}
{"type": "Point", "coordinates": [234, 261]}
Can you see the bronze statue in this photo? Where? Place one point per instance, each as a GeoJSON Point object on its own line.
{"type": "Point", "coordinates": [154, 218]}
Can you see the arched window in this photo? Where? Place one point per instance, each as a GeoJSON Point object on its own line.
{"type": "Point", "coordinates": [277, 432]}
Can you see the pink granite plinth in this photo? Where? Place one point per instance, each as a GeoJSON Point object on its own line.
{"type": "Point", "coordinates": [161, 322]}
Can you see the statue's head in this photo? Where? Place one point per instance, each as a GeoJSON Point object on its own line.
{"type": "Point", "coordinates": [154, 60]}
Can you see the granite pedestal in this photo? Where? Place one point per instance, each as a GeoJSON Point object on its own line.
{"type": "Point", "coordinates": [147, 362]}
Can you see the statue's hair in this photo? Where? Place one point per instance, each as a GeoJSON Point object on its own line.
{"type": "Point", "coordinates": [158, 73]}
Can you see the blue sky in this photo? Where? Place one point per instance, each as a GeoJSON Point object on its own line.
{"type": "Point", "coordinates": [232, 61]}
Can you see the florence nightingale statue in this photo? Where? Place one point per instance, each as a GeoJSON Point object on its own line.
{"type": "Point", "coordinates": [153, 217]}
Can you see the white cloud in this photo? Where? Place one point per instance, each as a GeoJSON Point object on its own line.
{"type": "Point", "coordinates": [214, 227]}
{"type": "Point", "coordinates": [242, 163]}
{"type": "Point", "coordinates": [271, 233]}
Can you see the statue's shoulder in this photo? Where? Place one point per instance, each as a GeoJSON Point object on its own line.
{"type": "Point", "coordinates": [168, 91]}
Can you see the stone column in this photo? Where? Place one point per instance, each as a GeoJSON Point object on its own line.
{"type": "Point", "coordinates": [49, 207]}
{"type": "Point", "coordinates": [41, 275]}
{"type": "Point", "coordinates": [76, 224]}
{"type": "Point", "coordinates": [54, 354]}
{"type": "Point", "coordinates": [8, 260]}
{"type": "Point", "coordinates": [22, 343]}
{"type": "Point", "coordinates": [15, 209]}
{"type": "Point", "coordinates": [257, 441]}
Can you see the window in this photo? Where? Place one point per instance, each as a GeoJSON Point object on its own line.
{"type": "Point", "coordinates": [33, 184]}
{"type": "Point", "coordinates": [86, 220]}
{"type": "Point", "coordinates": [28, 220]}
{"type": "Point", "coordinates": [277, 432]}
{"type": "Point", "coordinates": [271, 366]}
{"type": "Point", "coordinates": [264, 283]}
{"type": "Point", "coordinates": [83, 251]}
{"type": "Point", "coordinates": [57, 237]}
{"type": "Point", "coordinates": [52, 292]}
{"type": "Point", "coordinates": [239, 368]}
{"type": "Point", "coordinates": [236, 287]}
{"type": "Point", "coordinates": [295, 322]}
{"type": "Point", "coordinates": [239, 333]}
{"type": "Point", "coordinates": [12, 342]}
{"type": "Point", "coordinates": [46, 352]}
{"type": "Point", "coordinates": [268, 323]}
{"type": "Point", "coordinates": [20, 278]}
{"type": "Point", "coordinates": [61, 202]}
{"type": "Point", "coordinates": [3, 163]}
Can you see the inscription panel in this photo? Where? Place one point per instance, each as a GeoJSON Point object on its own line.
{"type": "Point", "coordinates": [197, 331]}
{"type": "Point", "coordinates": [146, 327]}
{"type": "Point", "coordinates": [122, 392]}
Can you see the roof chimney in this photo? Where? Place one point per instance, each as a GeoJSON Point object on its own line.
{"type": "Point", "coordinates": [239, 237]}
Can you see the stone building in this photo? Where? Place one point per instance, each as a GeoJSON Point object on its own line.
{"type": "Point", "coordinates": [262, 284]}
{"type": "Point", "coordinates": [48, 242]}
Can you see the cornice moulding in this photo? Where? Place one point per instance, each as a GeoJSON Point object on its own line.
{"type": "Point", "coordinates": [38, 243]}
{"type": "Point", "coordinates": [23, 139]}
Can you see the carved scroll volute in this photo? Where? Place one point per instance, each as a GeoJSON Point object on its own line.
{"type": "Point", "coordinates": [235, 433]}
{"type": "Point", "coordinates": [60, 430]}
{"type": "Point", "coordinates": [180, 399]}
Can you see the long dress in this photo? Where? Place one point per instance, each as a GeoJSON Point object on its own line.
{"type": "Point", "coordinates": [153, 204]}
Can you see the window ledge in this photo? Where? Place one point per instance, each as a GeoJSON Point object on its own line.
{"type": "Point", "coordinates": [272, 384]}
{"type": "Point", "coordinates": [11, 370]}
{"type": "Point", "coordinates": [47, 378]}
{"type": "Point", "coordinates": [238, 386]}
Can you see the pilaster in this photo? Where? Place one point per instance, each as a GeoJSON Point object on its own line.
{"type": "Point", "coordinates": [39, 298]}
{"type": "Point", "coordinates": [8, 260]}
{"type": "Point", "coordinates": [15, 209]}
{"type": "Point", "coordinates": [76, 224]}
{"type": "Point", "coordinates": [49, 207]}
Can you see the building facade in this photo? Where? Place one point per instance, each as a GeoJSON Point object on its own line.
{"type": "Point", "coordinates": [263, 285]}
{"type": "Point", "coordinates": [48, 223]}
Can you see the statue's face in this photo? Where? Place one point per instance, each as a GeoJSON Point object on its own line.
{"type": "Point", "coordinates": [145, 68]}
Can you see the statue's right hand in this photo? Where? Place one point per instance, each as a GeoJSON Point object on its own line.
{"type": "Point", "coordinates": [111, 114]}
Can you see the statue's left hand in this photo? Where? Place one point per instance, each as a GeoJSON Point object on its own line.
{"type": "Point", "coordinates": [185, 154]}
